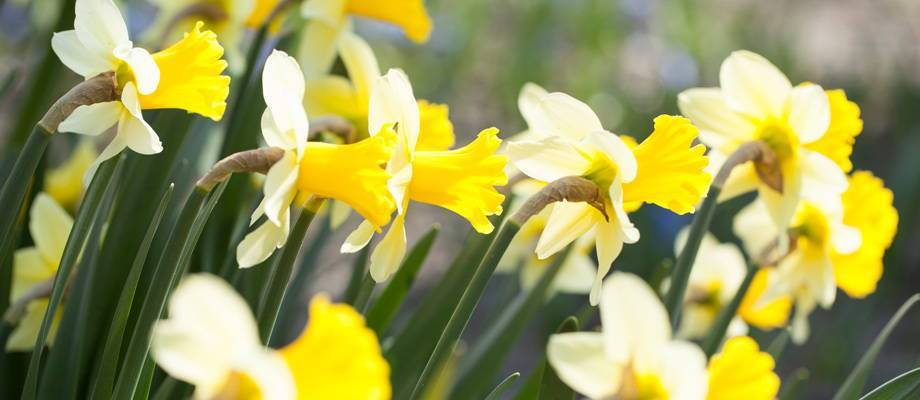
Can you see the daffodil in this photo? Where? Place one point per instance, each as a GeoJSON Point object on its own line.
{"type": "Point", "coordinates": [717, 273]}
{"type": "Point", "coordinates": [742, 371]}
{"type": "Point", "coordinates": [352, 173]}
{"type": "Point", "coordinates": [834, 246]}
{"type": "Point", "coordinates": [576, 274]}
{"type": "Point", "coordinates": [49, 226]}
{"type": "Point", "coordinates": [461, 180]}
{"type": "Point", "coordinates": [665, 169]}
{"type": "Point", "coordinates": [764, 315]}
{"type": "Point", "coordinates": [65, 182]}
{"type": "Point", "coordinates": [330, 19]}
{"type": "Point", "coordinates": [184, 76]}
{"type": "Point", "coordinates": [634, 357]}
{"type": "Point", "coordinates": [211, 340]}
{"type": "Point", "coordinates": [757, 102]}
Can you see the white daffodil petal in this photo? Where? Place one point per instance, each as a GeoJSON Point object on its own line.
{"type": "Point", "coordinates": [271, 374]}
{"type": "Point", "coordinates": [283, 90]}
{"type": "Point", "coordinates": [565, 116]}
{"type": "Point", "coordinates": [567, 222]}
{"type": "Point", "coordinates": [92, 119]}
{"type": "Point", "coordinates": [609, 245]}
{"type": "Point", "coordinates": [634, 320]}
{"type": "Point", "coordinates": [274, 135]}
{"type": "Point", "coordinates": [137, 134]}
{"type": "Point", "coordinates": [100, 26]}
{"type": "Point", "coordinates": [809, 112]}
{"type": "Point", "coordinates": [259, 244]}
{"type": "Point", "coordinates": [743, 179]}
{"type": "Point", "coordinates": [50, 226]}
{"type": "Point", "coordinates": [29, 269]}
{"type": "Point", "coordinates": [754, 86]}
{"type": "Point", "coordinates": [145, 69]}
{"type": "Point", "coordinates": [318, 44]}
{"type": "Point", "coordinates": [755, 228]}
{"type": "Point", "coordinates": [24, 336]}
{"type": "Point", "coordinates": [682, 370]}
{"type": "Point", "coordinates": [617, 151]}
{"type": "Point", "coordinates": [782, 206]}
{"type": "Point", "coordinates": [548, 159]}
{"type": "Point", "coordinates": [576, 275]}
{"type": "Point", "coordinates": [76, 56]}
{"type": "Point", "coordinates": [392, 101]}
{"type": "Point", "coordinates": [280, 187]}
{"type": "Point", "coordinates": [529, 104]}
{"type": "Point", "coordinates": [628, 232]}
{"type": "Point", "coordinates": [719, 125]}
{"type": "Point", "coordinates": [360, 63]}
{"type": "Point", "coordinates": [330, 12]}
{"type": "Point", "coordinates": [822, 180]}
{"type": "Point", "coordinates": [579, 360]}
{"type": "Point", "coordinates": [389, 253]}
{"type": "Point", "coordinates": [846, 239]}
{"type": "Point", "coordinates": [359, 238]}
{"type": "Point", "coordinates": [339, 211]}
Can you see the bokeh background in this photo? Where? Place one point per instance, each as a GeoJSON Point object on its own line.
{"type": "Point", "coordinates": [628, 59]}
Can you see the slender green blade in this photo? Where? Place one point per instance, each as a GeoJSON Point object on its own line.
{"type": "Point", "coordinates": [681, 272]}
{"type": "Point", "coordinates": [17, 185]}
{"type": "Point", "coordinates": [386, 306]}
{"type": "Point", "coordinates": [793, 385]}
{"type": "Point", "coordinates": [717, 332]}
{"type": "Point", "coordinates": [503, 387]}
{"type": "Point", "coordinates": [552, 388]}
{"type": "Point", "coordinates": [359, 274]}
{"type": "Point", "coordinates": [904, 387]}
{"type": "Point", "coordinates": [853, 385]}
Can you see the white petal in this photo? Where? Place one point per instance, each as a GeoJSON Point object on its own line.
{"type": "Point", "coordinates": [782, 206]}
{"type": "Point", "coordinates": [846, 239]}
{"type": "Point", "coordinates": [799, 327]}
{"type": "Point", "coordinates": [137, 134]}
{"type": "Point", "coordinates": [259, 244]}
{"type": "Point", "coordinates": [634, 320]}
{"type": "Point", "coordinates": [283, 89]}
{"type": "Point", "coordinates": [579, 360]}
{"type": "Point", "coordinates": [628, 232]}
{"type": "Point", "coordinates": [100, 26]}
{"type": "Point", "coordinates": [609, 244]}
{"type": "Point", "coordinates": [567, 222]}
{"type": "Point", "coordinates": [274, 135]}
{"type": "Point", "coordinates": [548, 159]}
{"type": "Point", "coordinates": [76, 56]}
{"type": "Point", "coordinates": [754, 86]}
{"type": "Point", "coordinates": [92, 119]}
{"type": "Point", "coordinates": [111, 150]}
{"type": "Point", "coordinates": [564, 116]}
{"type": "Point", "coordinates": [392, 101]}
{"type": "Point", "coordinates": [358, 238]}
{"type": "Point", "coordinates": [719, 125]}
{"type": "Point", "coordinates": [822, 180]}
{"type": "Point", "coordinates": [318, 44]}
{"type": "Point", "coordinates": [271, 374]}
{"type": "Point", "coordinates": [339, 211]}
{"type": "Point", "coordinates": [743, 178]}
{"type": "Point", "coordinates": [145, 69]}
{"type": "Point", "coordinates": [360, 63]}
{"type": "Point", "coordinates": [50, 226]}
{"type": "Point", "coordinates": [755, 228]}
{"type": "Point", "coordinates": [576, 275]}
{"type": "Point", "coordinates": [210, 328]}
{"type": "Point", "coordinates": [529, 103]}
{"type": "Point", "coordinates": [26, 332]}
{"type": "Point", "coordinates": [389, 253]}
{"type": "Point", "coordinates": [280, 187]}
{"type": "Point", "coordinates": [809, 112]}
{"type": "Point", "coordinates": [328, 12]}
{"type": "Point", "coordinates": [682, 370]}
{"type": "Point", "coordinates": [617, 151]}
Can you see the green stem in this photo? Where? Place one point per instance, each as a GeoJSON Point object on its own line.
{"type": "Point", "coordinates": [17, 184]}
{"type": "Point", "coordinates": [711, 344]}
{"type": "Point", "coordinates": [76, 241]}
{"type": "Point", "coordinates": [359, 273]}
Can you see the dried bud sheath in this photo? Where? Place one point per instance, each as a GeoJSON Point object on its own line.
{"type": "Point", "coordinates": [570, 188]}
{"type": "Point", "coordinates": [259, 160]}
{"type": "Point", "coordinates": [98, 89]}
{"type": "Point", "coordinates": [765, 163]}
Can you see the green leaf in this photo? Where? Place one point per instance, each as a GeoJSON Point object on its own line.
{"type": "Point", "coordinates": [17, 185]}
{"type": "Point", "coordinates": [855, 382]}
{"type": "Point", "coordinates": [386, 306]}
{"type": "Point", "coordinates": [108, 362]}
{"type": "Point", "coordinates": [483, 362]}
{"type": "Point", "coordinates": [778, 345]}
{"type": "Point", "coordinates": [502, 387]}
{"type": "Point", "coordinates": [793, 385]}
{"type": "Point", "coordinates": [359, 276]}
{"type": "Point", "coordinates": [904, 387]}
{"type": "Point", "coordinates": [552, 388]}
{"type": "Point", "coordinates": [76, 241]}
{"type": "Point", "coordinates": [464, 309]}
{"type": "Point", "coordinates": [717, 332]}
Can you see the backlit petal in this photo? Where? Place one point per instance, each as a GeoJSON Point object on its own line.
{"type": "Point", "coordinates": [809, 112]}
{"type": "Point", "coordinates": [100, 26]}
{"type": "Point", "coordinates": [75, 55]}
{"type": "Point", "coordinates": [50, 226]}
{"type": "Point", "coordinates": [754, 86]}
{"type": "Point", "coordinates": [389, 253]}
{"type": "Point", "coordinates": [634, 320]}
{"type": "Point", "coordinates": [359, 238]}
{"type": "Point", "coordinates": [720, 126]}
{"type": "Point", "coordinates": [92, 119]}
{"type": "Point", "coordinates": [580, 361]}
{"type": "Point", "coordinates": [548, 159]}
{"type": "Point", "coordinates": [565, 116]}
{"type": "Point", "coordinates": [567, 222]}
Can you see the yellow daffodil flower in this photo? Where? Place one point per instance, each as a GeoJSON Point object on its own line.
{"type": "Point", "coordinates": [634, 357]}
{"type": "Point", "coordinates": [185, 76]}
{"type": "Point", "coordinates": [835, 246]}
{"type": "Point", "coordinates": [757, 102]}
{"type": "Point", "coordinates": [330, 19]}
{"type": "Point", "coordinates": [211, 340]}
{"type": "Point", "coordinates": [65, 183]}
{"type": "Point", "coordinates": [717, 273]}
{"type": "Point", "coordinates": [461, 180]}
{"type": "Point", "coordinates": [49, 226]}
{"type": "Point", "coordinates": [742, 371]}
{"type": "Point", "coordinates": [665, 169]}
{"type": "Point", "coordinates": [576, 274]}
{"type": "Point", "coordinates": [764, 315]}
{"type": "Point", "coordinates": [350, 173]}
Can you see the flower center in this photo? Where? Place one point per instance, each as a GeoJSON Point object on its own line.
{"type": "Point", "coordinates": [811, 227]}
{"type": "Point", "coordinates": [642, 387]}
{"type": "Point", "coordinates": [602, 172]}
{"type": "Point", "coordinates": [780, 138]}
{"type": "Point", "coordinates": [123, 75]}
{"type": "Point", "coordinates": [239, 385]}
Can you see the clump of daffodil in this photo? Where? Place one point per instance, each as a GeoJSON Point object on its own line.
{"type": "Point", "coordinates": [211, 340]}
{"type": "Point", "coordinates": [461, 180]}
{"type": "Point", "coordinates": [757, 102]}
{"type": "Point", "coordinates": [835, 244]}
{"type": "Point", "coordinates": [576, 274]}
{"type": "Point", "coordinates": [186, 76]}
{"type": "Point", "coordinates": [666, 169]}
{"type": "Point", "coordinates": [49, 226]}
{"type": "Point", "coordinates": [65, 182]}
{"type": "Point", "coordinates": [634, 356]}
{"type": "Point", "coordinates": [742, 371]}
{"type": "Point", "coordinates": [352, 173]}
{"type": "Point", "coordinates": [328, 20]}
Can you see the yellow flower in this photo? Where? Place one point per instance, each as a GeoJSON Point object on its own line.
{"type": "Point", "coordinates": [260, 12]}
{"type": "Point", "coordinates": [437, 132]}
{"type": "Point", "coordinates": [337, 356]}
{"type": "Point", "coordinates": [665, 169]}
{"type": "Point", "coordinates": [845, 125]}
{"type": "Point", "coordinates": [773, 314]}
{"type": "Point", "coordinates": [65, 183]}
{"type": "Point", "coordinates": [49, 226]}
{"type": "Point", "coordinates": [410, 15]}
{"type": "Point", "coordinates": [867, 206]}
{"type": "Point", "coordinates": [190, 76]}
{"type": "Point", "coordinates": [742, 371]}
{"type": "Point", "coordinates": [757, 102]}
{"type": "Point", "coordinates": [462, 180]}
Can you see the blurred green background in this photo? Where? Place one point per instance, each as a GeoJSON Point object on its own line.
{"type": "Point", "coordinates": [628, 59]}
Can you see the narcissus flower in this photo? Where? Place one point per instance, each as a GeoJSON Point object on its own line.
{"type": "Point", "coordinates": [185, 76]}
{"type": "Point", "coordinates": [65, 183]}
{"type": "Point", "coordinates": [352, 173]}
{"type": "Point", "coordinates": [833, 246]}
{"type": "Point", "coordinates": [764, 315]}
{"type": "Point", "coordinates": [742, 371]}
{"type": "Point", "coordinates": [211, 340]}
{"type": "Point", "coordinates": [757, 102]}
{"type": "Point", "coordinates": [666, 169]}
{"type": "Point", "coordinates": [461, 180]}
{"type": "Point", "coordinates": [49, 226]}
{"type": "Point", "coordinates": [634, 357]}
{"type": "Point", "coordinates": [329, 19]}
